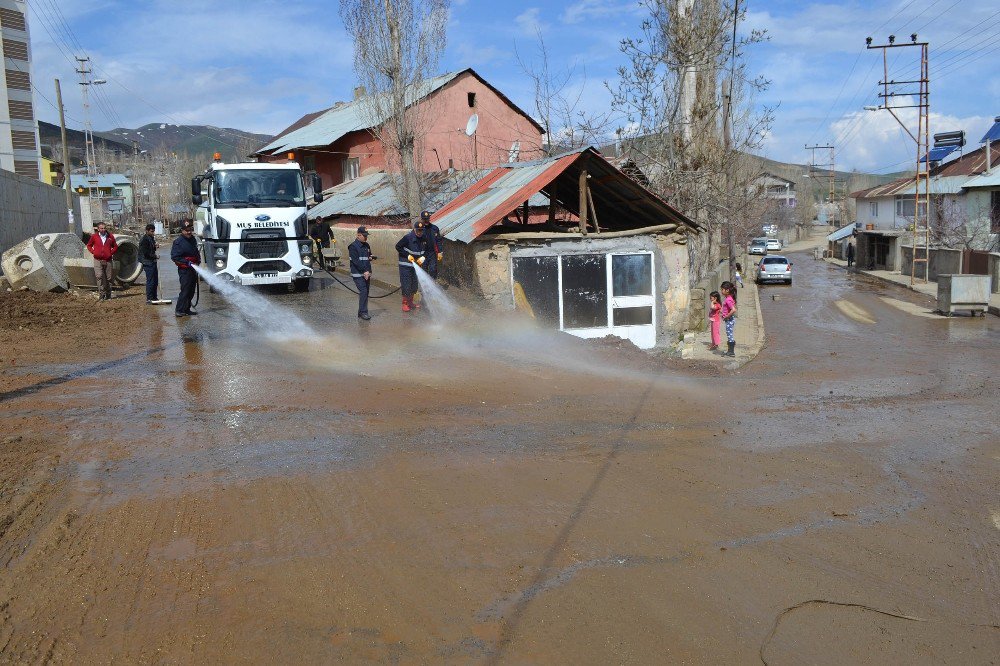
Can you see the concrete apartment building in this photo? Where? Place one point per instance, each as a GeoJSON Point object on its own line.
{"type": "Point", "coordinates": [18, 130]}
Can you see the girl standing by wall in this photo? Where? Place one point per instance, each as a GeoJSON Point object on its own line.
{"type": "Point", "coordinates": [715, 319]}
{"type": "Point", "coordinates": [728, 313]}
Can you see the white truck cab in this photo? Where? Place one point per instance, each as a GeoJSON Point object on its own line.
{"type": "Point", "coordinates": [252, 221]}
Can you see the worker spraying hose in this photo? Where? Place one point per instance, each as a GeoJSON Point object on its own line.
{"type": "Point", "coordinates": [412, 249]}
{"type": "Point", "coordinates": [184, 253]}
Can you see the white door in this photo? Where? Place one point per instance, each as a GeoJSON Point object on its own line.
{"type": "Point", "coordinates": [632, 308]}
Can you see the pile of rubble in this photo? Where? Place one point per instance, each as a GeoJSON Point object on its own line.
{"type": "Point", "coordinates": [55, 262]}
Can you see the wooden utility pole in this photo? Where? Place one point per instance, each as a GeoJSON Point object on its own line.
{"type": "Point", "coordinates": [583, 202]}
{"type": "Point", "coordinates": [67, 167]}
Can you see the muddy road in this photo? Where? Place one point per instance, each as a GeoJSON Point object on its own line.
{"type": "Point", "coordinates": [483, 493]}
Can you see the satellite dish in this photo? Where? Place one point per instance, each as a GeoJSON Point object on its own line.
{"type": "Point", "coordinates": [470, 127]}
{"type": "Point", "coordinates": [515, 151]}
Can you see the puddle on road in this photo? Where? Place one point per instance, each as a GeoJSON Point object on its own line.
{"type": "Point", "coordinates": [855, 312]}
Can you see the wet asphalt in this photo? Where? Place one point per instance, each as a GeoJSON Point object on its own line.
{"type": "Point", "coordinates": [403, 491]}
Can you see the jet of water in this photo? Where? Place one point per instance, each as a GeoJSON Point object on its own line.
{"type": "Point", "coordinates": [276, 322]}
{"type": "Point", "coordinates": [441, 307]}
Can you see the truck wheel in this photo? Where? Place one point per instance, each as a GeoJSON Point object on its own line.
{"type": "Point", "coordinates": [301, 284]}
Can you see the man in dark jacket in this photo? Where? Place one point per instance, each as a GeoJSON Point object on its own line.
{"type": "Point", "coordinates": [147, 257]}
{"type": "Point", "coordinates": [102, 245]}
{"type": "Point", "coordinates": [850, 254]}
{"type": "Point", "coordinates": [434, 245]}
{"type": "Point", "coordinates": [184, 253]}
{"type": "Point", "coordinates": [322, 234]}
{"type": "Point", "coordinates": [361, 269]}
{"type": "Point", "coordinates": [412, 249]}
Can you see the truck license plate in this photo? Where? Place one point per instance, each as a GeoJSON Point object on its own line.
{"type": "Point", "coordinates": [265, 275]}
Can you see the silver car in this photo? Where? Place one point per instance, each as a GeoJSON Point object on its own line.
{"type": "Point", "coordinates": [774, 268]}
{"type": "Point", "coordinates": [758, 246]}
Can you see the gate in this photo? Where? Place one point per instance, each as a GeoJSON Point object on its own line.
{"type": "Point", "coordinates": [975, 262]}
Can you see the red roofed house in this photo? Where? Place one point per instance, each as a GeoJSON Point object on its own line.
{"type": "Point", "coordinates": [338, 143]}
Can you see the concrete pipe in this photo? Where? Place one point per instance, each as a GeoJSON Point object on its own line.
{"type": "Point", "coordinates": [126, 262]}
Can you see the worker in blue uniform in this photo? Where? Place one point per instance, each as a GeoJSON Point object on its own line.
{"type": "Point", "coordinates": [434, 245]}
{"type": "Point", "coordinates": [184, 253]}
{"type": "Point", "coordinates": [412, 249]}
{"type": "Point", "coordinates": [361, 269]}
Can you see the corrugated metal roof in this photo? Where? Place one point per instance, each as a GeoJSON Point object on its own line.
{"type": "Point", "coordinates": [907, 186]}
{"type": "Point", "coordinates": [103, 180]}
{"type": "Point", "coordinates": [346, 118]}
{"type": "Point", "coordinates": [375, 196]}
{"type": "Point", "coordinates": [505, 188]}
{"type": "Point", "coordinates": [842, 233]}
{"type": "Point", "coordinates": [991, 179]}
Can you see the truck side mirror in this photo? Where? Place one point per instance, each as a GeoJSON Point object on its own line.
{"type": "Point", "coordinates": [317, 183]}
{"type": "Point", "coordinates": [196, 191]}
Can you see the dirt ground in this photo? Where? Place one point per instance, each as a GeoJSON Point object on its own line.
{"type": "Point", "coordinates": [397, 491]}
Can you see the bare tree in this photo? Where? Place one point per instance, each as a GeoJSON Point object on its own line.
{"type": "Point", "coordinates": [959, 224]}
{"type": "Point", "coordinates": [397, 45]}
{"type": "Point", "coordinates": [557, 104]}
{"type": "Point", "coordinates": [693, 135]}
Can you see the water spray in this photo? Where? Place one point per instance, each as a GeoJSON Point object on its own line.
{"type": "Point", "coordinates": [274, 320]}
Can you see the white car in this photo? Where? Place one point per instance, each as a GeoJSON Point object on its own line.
{"type": "Point", "coordinates": [758, 246]}
{"type": "Point", "coordinates": [774, 268]}
{"type": "Point", "coordinates": [773, 245]}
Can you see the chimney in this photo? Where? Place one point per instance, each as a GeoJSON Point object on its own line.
{"type": "Point", "coordinates": [359, 92]}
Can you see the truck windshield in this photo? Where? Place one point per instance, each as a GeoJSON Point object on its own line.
{"type": "Point", "coordinates": [258, 188]}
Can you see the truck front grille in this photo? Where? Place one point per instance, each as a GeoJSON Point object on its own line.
{"type": "Point", "coordinates": [264, 244]}
{"type": "Point", "coordinates": [264, 267]}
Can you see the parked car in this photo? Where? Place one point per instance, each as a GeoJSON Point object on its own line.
{"type": "Point", "coordinates": [773, 244]}
{"type": "Point", "coordinates": [758, 246]}
{"type": "Point", "coordinates": [774, 268]}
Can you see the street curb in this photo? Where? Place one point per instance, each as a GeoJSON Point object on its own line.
{"type": "Point", "coordinates": [992, 309]}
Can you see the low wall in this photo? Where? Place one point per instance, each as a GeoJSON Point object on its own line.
{"type": "Point", "coordinates": [995, 272]}
{"type": "Point", "coordinates": [698, 312]}
{"type": "Point", "coordinates": [943, 261]}
{"type": "Point", "coordinates": [31, 207]}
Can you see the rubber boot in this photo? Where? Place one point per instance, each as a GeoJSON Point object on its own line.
{"type": "Point", "coordinates": [414, 303]}
{"type": "Point", "coordinates": [732, 349]}
{"type": "Point", "coordinates": [406, 304]}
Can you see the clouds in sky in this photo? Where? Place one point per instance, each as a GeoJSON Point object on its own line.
{"type": "Point", "coordinates": [260, 64]}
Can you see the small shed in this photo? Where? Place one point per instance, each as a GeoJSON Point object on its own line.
{"type": "Point", "coordinates": [619, 267]}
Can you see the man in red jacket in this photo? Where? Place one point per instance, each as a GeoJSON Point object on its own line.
{"type": "Point", "coordinates": [102, 245]}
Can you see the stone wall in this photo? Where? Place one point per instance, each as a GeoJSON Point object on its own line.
{"type": "Point", "coordinates": [29, 207]}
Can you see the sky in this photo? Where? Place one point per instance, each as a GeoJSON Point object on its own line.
{"type": "Point", "coordinates": [259, 65]}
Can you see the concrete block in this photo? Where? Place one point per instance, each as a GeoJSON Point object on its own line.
{"type": "Point", "coordinates": [59, 247]}
{"type": "Point", "coordinates": [27, 266]}
{"type": "Point", "coordinates": [81, 272]}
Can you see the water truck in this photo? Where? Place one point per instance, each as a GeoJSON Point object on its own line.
{"type": "Point", "coordinates": [252, 222]}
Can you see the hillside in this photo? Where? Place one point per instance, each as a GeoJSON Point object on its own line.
{"type": "Point", "coordinates": [846, 181]}
{"type": "Point", "coordinates": [51, 143]}
{"type": "Point", "coordinates": [198, 141]}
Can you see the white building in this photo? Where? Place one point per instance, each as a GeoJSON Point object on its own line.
{"type": "Point", "coordinates": [18, 129]}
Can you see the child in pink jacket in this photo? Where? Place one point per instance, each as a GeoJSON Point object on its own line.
{"type": "Point", "coordinates": [715, 318]}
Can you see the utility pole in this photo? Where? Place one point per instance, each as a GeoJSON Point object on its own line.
{"type": "Point", "coordinates": [830, 166]}
{"type": "Point", "coordinates": [67, 167]}
{"type": "Point", "coordinates": [922, 180]}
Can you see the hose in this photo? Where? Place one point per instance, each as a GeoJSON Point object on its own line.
{"type": "Point", "coordinates": [350, 289]}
